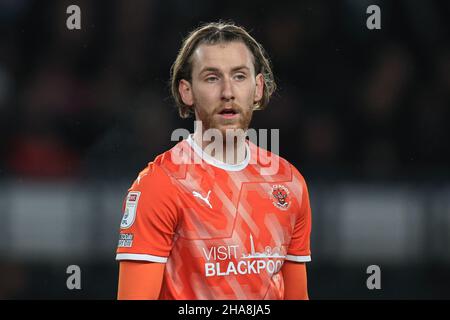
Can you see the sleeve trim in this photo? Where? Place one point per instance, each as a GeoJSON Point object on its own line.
{"type": "Point", "coordinates": [140, 257]}
{"type": "Point", "coordinates": [298, 258]}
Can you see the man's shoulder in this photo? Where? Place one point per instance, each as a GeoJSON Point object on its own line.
{"type": "Point", "coordinates": [162, 171]}
{"type": "Point", "coordinates": [151, 178]}
{"type": "Point", "coordinates": [272, 164]}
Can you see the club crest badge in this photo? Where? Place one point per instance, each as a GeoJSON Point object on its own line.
{"type": "Point", "coordinates": [281, 196]}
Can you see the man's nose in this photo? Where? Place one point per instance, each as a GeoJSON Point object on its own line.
{"type": "Point", "coordinates": [227, 89]}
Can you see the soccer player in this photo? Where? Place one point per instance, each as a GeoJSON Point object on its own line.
{"type": "Point", "coordinates": [217, 223]}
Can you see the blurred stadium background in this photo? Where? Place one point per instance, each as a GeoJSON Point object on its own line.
{"type": "Point", "coordinates": [363, 114]}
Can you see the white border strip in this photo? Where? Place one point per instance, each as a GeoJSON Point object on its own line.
{"type": "Point", "coordinates": [140, 257]}
{"type": "Point", "coordinates": [298, 258]}
{"type": "Point", "coordinates": [219, 164]}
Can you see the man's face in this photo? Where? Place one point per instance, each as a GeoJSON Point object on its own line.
{"type": "Point", "coordinates": [224, 87]}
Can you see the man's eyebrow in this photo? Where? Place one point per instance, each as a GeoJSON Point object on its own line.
{"type": "Point", "coordinates": [209, 69]}
{"type": "Point", "coordinates": [213, 69]}
{"type": "Point", "coordinates": [240, 67]}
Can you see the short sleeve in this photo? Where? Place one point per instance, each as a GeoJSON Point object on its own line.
{"type": "Point", "coordinates": [150, 218]}
{"type": "Point", "coordinates": [299, 248]}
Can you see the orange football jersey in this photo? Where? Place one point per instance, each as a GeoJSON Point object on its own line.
{"type": "Point", "coordinates": [223, 231]}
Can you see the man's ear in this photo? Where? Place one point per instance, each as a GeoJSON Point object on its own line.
{"type": "Point", "coordinates": [259, 89]}
{"type": "Point", "coordinates": [185, 90]}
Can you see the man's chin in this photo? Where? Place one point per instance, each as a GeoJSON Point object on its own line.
{"type": "Point", "coordinates": [231, 130]}
{"type": "Point", "coordinates": [233, 127]}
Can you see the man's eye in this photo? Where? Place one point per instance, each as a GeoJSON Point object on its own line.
{"type": "Point", "coordinates": [240, 76]}
{"type": "Point", "coordinates": [212, 79]}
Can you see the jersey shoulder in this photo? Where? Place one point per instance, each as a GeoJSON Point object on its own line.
{"type": "Point", "coordinates": [271, 165]}
{"type": "Point", "coordinates": [165, 169]}
{"type": "Point", "coordinates": [153, 179]}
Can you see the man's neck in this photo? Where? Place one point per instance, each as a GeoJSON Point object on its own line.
{"type": "Point", "coordinates": [230, 151]}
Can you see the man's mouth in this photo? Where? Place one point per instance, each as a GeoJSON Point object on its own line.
{"type": "Point", "coordinates": [228, 113]}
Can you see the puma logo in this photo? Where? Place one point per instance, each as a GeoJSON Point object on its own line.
{"type": "Point", "coordinates": [205, 199]}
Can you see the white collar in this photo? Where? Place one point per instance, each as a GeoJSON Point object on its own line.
{"type": "Point", "coordinates": [219, 164]}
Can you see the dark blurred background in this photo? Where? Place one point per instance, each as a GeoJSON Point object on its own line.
{"type": "Point", "coordinates": [363, 114]}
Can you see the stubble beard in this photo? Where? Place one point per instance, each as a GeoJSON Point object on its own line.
{"type": "Point", "coordinates": [212, 121]}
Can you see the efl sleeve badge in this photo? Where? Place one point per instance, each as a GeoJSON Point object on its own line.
{"type": "Point", "coordinates": [129, 214]}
